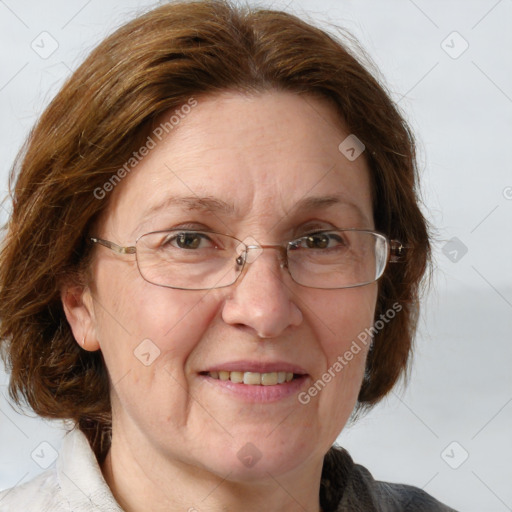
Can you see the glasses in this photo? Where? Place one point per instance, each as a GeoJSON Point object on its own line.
{"type": "Point", "coordinates": [203, 260]}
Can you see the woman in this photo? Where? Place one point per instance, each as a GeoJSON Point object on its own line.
{"type": "Point", "coordinates": [214, 256]}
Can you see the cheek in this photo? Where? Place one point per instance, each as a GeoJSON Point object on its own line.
{"type": "Point", "coordinates": [141, 325]}
{"type": "Point", "coordinates": [341, 322]}
{"type": "Point", "coordinates": [147, 338]}
{"type": "Point", "coordinates": [340, 316]}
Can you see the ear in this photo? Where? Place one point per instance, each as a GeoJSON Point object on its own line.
{"type": "Point", "coordinates": [78, 306]}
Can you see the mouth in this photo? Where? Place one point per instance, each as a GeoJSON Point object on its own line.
{"type": "Point", "coordinates": [254, 378]}
{"type": "Point", "coordinates": [256, 381]}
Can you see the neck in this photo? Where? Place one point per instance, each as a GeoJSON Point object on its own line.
{"type": "Point", "coordinates": [142, 481]}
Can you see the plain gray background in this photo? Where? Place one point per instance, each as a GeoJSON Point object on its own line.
{"type": "Point", "coordinates": [448, 66]}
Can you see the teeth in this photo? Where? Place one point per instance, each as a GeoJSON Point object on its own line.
{"type": "Point", "coordinates": [253, 378]}
{"type": "Point", "coordinates": [236, 377]}
{"type": "Point", "coordinates": [269, 379]}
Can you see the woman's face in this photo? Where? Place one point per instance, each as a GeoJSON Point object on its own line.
{"type": "Point", "coordinates": [244, 163]}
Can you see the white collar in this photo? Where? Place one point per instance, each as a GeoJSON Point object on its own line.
{"type": "Point", "coordinates": [80, 476]}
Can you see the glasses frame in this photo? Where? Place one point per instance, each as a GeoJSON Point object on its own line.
{"type": "Point", "coordinates": [394, 254]}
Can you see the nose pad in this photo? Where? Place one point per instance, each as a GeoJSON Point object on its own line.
{"type": "Point", "coordinates": [249, 250]}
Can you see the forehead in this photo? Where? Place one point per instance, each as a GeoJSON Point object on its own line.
{"type": "Point", "coordinates": [247, 157]}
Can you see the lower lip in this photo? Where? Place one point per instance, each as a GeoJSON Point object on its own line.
{"type": "Point", "coordinates": [258, 393]}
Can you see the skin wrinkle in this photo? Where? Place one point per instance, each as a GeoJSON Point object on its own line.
{"type": "Point", "coordinates": [221, 209]}
{"type": "Point", "coordinates": [161, 412]}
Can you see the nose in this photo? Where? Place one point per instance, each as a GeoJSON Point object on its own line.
{"type": "Point", "coordinates": [262, 298]}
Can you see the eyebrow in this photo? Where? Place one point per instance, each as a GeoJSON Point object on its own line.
{"type": "Point", "coordinates": [207, 205]}
{"type": "Point", "coordinates": [202, 204]}
{"type": "Point", "coordinates": [218, 206]}
{"type": "Point", "coordinates": [324, 202]}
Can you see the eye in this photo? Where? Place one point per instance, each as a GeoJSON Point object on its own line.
{"type": "Point", "coordinates": [189, 240]}
{"type": "Point", "coordinates": [317, 241]}
{"type": "Point", "coordinates": [320, 240]}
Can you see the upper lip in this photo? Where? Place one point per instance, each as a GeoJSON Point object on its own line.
{"type": "Point", "coordinates": [256, 366]}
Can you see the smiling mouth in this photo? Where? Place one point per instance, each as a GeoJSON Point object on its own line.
{"type": "Point", "coordinates": [254, 378]}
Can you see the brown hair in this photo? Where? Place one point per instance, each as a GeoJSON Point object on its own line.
{"type": "Point", "coordinates": [155, 63]}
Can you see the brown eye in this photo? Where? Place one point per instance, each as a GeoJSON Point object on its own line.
{"type": "Point", "coordinates": [319, 241]}
{"type": "Point", "coordinates": [188, 240]}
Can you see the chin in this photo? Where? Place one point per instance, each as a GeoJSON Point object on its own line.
{"type": "Point", "coordinates": [252, 460]}
{"type": "Point", "coordinates": [258, 469]}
